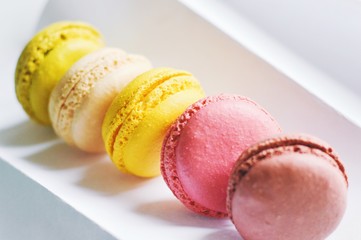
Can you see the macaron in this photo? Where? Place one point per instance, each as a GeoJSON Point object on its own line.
{"type": "Point", "coordinates": [203, 144]}
{"type": "Point", "coordinates": [45, 59]}
{"type": "Point", "coordinates": [287, 187]}
{"type": "Point", "coordinates": [80, 100]}
{"type": "Point", "coordinates": [138, 118]}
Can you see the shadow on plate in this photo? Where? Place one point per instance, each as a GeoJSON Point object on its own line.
{"type": "Point", "coordinates": [26, 133]}
{"type": "Point", "coordinates": [174, 212]}
{"type": "Point", "coordinates": [104, 177]}
{"type": "Point", "coordinates": [224, 234]}
{"type": "Point", "coordinates": [100, 174]}
{"type": "Point", "coordinates": [61, 156]}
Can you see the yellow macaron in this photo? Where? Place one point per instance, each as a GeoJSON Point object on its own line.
{"type": "Point", "coordinates": [45, 59]}
{"type": "Point", "coordinates": [138, 118]}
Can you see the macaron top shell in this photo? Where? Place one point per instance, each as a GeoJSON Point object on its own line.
{"type": "Point", "coordinates": [46, 58]}
{"type": "Point", "coordinates": [78, 103]}
{"type": "Point", "coordinates": [137, 120]}
{"type": "Point", "coordinates": [288, 187]}
{"type": "Point", "coordinates": [202, 145]}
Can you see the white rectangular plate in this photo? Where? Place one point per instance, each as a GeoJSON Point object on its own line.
{"type": "Point", "coordinates": [52, 191]}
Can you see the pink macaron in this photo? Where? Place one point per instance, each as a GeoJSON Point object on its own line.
{"type": "Point", "coordinates": [203, 144]}
{"type": "Point", "coordinates": [287, 187]}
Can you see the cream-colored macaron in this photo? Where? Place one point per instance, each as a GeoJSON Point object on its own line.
{"type": "Point", "coordinates": [78, 103]}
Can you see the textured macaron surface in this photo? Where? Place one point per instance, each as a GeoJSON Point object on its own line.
{"type": "Point", "coordinates": [46, 58]}
{"type": "Point", "coordinates": [137, 120]}
{"type": "Point", "coordinates": [79, 101]}
{"type": "Point", "coordinates": [287, 188]}
{"type": "Point", "coordinates": [203, 144]}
